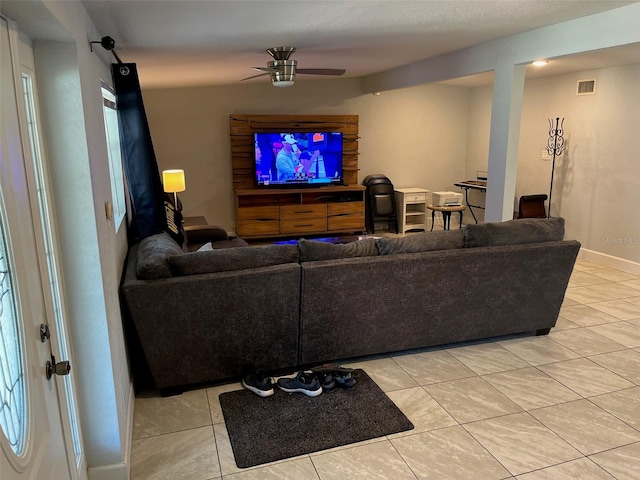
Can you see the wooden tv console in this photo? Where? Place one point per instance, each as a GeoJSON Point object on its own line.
{"type": "Point", "coordinates": [262, 213]}
{"type": "Point", "coordinates": [290, 212]}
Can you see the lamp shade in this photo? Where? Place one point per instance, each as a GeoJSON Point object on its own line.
{"type": "Point", "coordinates": [173, 181]}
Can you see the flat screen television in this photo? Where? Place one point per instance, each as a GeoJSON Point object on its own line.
{"type": "Point", "coordinates": [298, 159]}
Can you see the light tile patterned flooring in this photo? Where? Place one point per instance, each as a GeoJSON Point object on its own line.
{"type": "Point", "coordinates": [559, 407]}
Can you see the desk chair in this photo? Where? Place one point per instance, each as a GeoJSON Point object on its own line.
{"type": "Point", "coordinates": [532, 206]}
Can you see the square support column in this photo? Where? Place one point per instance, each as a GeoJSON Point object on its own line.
{"type": "Point", "coordinates": [508, 90]}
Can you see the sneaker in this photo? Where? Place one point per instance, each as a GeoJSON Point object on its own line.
{"type": "Point", "coordinates": [327, 382]}
{"type": "Point", "coordinates": [302, 383]}
{"type": "Point", "coordinates": [340, 376]}
{"type": "Point", "coordinates": [258, 384]}
{"type": "Point", "coordinates": [345, 380]}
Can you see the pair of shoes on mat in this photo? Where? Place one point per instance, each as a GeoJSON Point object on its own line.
{"type": "Point", "coordinates": [332, 375]}
{"type": "Point", "coordinates": [320, 379]}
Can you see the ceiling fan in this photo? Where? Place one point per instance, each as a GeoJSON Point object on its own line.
{"type": "Point", "coordinates": [283, 71]}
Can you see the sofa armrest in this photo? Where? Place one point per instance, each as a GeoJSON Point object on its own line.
{"type": "Point", "coordinates": [197, 234]}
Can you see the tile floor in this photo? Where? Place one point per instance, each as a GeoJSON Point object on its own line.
{"type": "Point", "coordinates": [559, 407]}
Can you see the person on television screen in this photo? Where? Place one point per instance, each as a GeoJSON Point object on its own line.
{"type": "Point", "coordinates": [306, 162]}
{"type": "Point", "coordinates": [287, 159]}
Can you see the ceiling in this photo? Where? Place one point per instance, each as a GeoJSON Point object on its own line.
{"type": "Point", "coordinates": [210, 42]}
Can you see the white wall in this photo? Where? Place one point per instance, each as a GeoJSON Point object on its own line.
{"type": "Point", "coordinates": [415, 136]}
{"type": "Point", "coordinates": [92, 254]}
{"type": "Point", "coordinates": [597, 179]}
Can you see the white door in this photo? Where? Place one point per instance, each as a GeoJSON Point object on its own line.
{"type": "Point", "coordinates": [31, 436]}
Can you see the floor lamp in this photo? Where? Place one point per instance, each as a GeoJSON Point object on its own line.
{"type": "Point", "coordinates": [555, 147]}
{"type": "Point", "coordinates": [173, 182]}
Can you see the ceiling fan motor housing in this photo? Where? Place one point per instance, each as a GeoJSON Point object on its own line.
{"type": "Point", "coordinates": [282, 72]}
{"type": "Point", "coordinates": [281, 53]}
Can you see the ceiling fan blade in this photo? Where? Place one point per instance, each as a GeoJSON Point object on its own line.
{"type": "Point", "coordinates": [255, 76]}
{"type": "Point", "coordinates": [321, 71]}
{"type": "Point", "coordinates": [265, 69]}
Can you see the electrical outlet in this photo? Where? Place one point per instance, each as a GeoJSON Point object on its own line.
{"type": "Point", "coordinates": [545, 155]}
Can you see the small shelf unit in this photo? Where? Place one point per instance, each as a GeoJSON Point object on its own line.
{"type": "Point", "coordinates": [412, 204]}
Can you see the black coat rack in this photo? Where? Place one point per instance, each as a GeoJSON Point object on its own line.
{"type": "Point", "coordinates": [555, 147]}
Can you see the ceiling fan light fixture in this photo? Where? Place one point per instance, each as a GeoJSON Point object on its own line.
{"type": "Point", "coordinates": [282, 83]}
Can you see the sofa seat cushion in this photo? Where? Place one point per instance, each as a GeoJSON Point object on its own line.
{"type": "Point", "coordinates": [153, 251]}
{"type": "Point", "coordinates": [312, 250]}
{"type": "Point", "coordinates": [514, 232]}
{"type": "Point", "coordinates": [421, 242]}
{"type": "Point", "coordinates": [228, 259]}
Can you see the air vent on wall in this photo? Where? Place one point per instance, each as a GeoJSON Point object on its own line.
{"type": "Point", "coordinates": [586, 87]}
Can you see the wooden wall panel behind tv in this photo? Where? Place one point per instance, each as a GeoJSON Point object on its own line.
{"type": "Point", "coordinates": [242, 128]}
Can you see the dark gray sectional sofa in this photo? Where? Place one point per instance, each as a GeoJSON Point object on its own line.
{"type": "Point", "coordinates": [209, 316]}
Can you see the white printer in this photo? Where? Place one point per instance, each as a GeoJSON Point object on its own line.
{"type": "Point", "coordinates": [446, 199]}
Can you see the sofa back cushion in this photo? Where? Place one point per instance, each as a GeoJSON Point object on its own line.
{"type": "Point", "coordinates": [153, 251]}
{"type": "Point", "coordinates": [197, 263]}
{"type": "Point", "coordinates": [312, 250]}
{"type": "Point", "coordinates": [421, 242]}
{"type": "Point", "coordinates": [514, 232]}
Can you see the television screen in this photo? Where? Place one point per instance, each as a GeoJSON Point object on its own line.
{"type": "Point", "coordinates": [298, 159]}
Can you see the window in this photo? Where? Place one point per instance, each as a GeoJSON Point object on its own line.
{"type": "Point", "coordinates": [112, 131]}
{"type": "Point", "coordinates": [12, 383]}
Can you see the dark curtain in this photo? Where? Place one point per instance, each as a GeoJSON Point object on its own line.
{"type": "Point", "coordinates": [141, 168]}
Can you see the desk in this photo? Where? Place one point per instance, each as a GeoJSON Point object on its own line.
{"type": "Point", "coordinates": [446, 214]}
{"type": "Point", "coordinates": [467, 185]}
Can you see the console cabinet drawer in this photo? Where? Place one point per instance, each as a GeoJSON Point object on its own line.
{"type": "Point", "coordinates": [301, 225]}
{"type": "Point", "coordinates": [303, 211]}
{"type": "Point", "coordinates": [259, 213]}
{"type": "Point", "coordinates": [255, 227]}
{"type": "Point", "coordinates": [340, 208]}
{"type": "Point", "coordinates": [353, 221]}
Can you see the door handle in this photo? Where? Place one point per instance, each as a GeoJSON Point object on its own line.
{"type": "Point", "coordinates": [60, 368]}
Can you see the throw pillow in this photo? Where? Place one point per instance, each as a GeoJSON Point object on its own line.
{"type": "Point", "coordinates": [514, 232]}
{"type": "Point", "coordinates": [421, 242]}
{"type": "Point", "coordinates": [311, 250]}
{"type": "Point", "coordinates": [197, 263]}
{"type": "Point", "coordinates": [152, 256]}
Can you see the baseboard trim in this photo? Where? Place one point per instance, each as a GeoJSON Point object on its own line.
{"type": "Point", "coordinates": [609, 261]}
{"type": "Point", "coordinates": [128, 439]}
{"type": "Point", "coordinates": [116, 471]}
